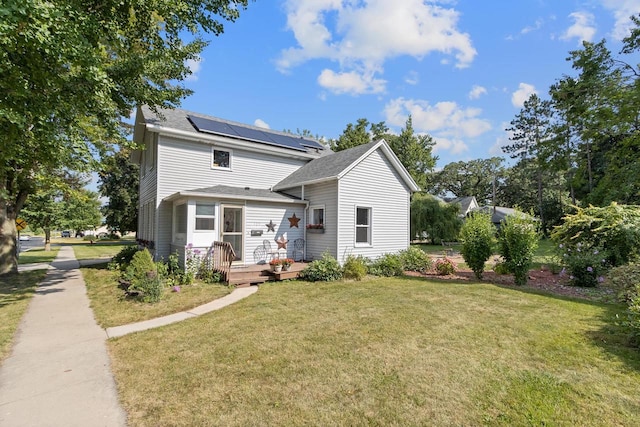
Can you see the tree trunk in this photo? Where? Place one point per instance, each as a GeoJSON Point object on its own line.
{"type": "Point", "coordinates": [540, 208]}
{"type": "Point", "coordinates": [47, 239]}
{"type": "Point", "coordinates": [8, 243]}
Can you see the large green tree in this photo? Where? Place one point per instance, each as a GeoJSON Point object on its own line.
{"type": "Point", "coordinates": [70, 69]}
{"type": "Point", "coordinates": [473, 178]}
{"type": "Point", "coordinates": [119, 184]}
{"type": "Point", "coordinates": [357, 134]}
{"type": "Point", "coordinates": [434, 219]}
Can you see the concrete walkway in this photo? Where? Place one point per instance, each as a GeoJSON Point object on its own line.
{"type": "Point", "coordinates": [58, 373]}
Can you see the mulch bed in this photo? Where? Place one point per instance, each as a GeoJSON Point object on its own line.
{"type": "Point", "coordinates": [539, 280]}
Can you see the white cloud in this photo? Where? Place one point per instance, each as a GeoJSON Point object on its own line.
{"type": "Point", "coordinates": [477, 92]}
{"type": "Point", "coordinates": [523, 93]}
{"type": "Point", "coordinates": [501, 141]}
{"type": "Point", "coordinates": [583, 27]}
{"type": "Point", "coordinates": [446, 122]}
{"type": "Point", "coordinates": [194, 65]}
{"type": "Point", "coordinates": [536, 26]}
{"type": "Point", "coordinates": [361, 36]}
{"type": "Point", "coordinates": [622, 10]}
{"type": "Point", "coordinates": [350, 82]}
{"type": "Point", "coordinates": [412, 78]}
{"type": "Point", "coordinates": [261, 124]}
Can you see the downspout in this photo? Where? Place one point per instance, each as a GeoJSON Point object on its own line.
{"type": "Point", "coordinates": [304, 224]}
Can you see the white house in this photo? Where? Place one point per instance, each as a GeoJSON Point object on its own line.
{"type": "Point", "coordinates": [203, 179]}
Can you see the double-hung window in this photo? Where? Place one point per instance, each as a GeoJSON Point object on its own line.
{"type": "Point", "coordinates": [363, 225]}
{"type": "Point", "coordinates": [205, 217]}
{"type": "Point", "coordinates": [316, 217]}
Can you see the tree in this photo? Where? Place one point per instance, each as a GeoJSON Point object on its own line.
{"type": "Point", "coordinates": [80, 211]}
{"type": "Point", "coordinates": [362, 132]}
{"type": "Point", "coordinates": [71, 69]}
{"type": "Point", "coordinates": [473, 178]}
{"type": "Point", "coordinates": [415, 152]}
{"type": "Point", "coordinates": [42, 210]}
{"type": "Point", "coordinates": [434, 219]}
{"type": "Point", "coordinates": [119, 181]}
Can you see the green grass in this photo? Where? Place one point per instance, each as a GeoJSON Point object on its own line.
{"type": "Point", "coordinates": [384, 352]}
{"type": "Point", "coordinates": [86, 250]}
{"type": "Point", "coordinates": [16, 291]}
{"type": "Point", "coordinates": [111, 308]}
{"type": "Point", "coordinates": [37, 255]}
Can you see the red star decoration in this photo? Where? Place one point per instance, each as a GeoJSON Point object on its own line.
{"type": "Point", "coordinates": [282, 242]}
{"type": "Point", "coordinates": [293, 221]}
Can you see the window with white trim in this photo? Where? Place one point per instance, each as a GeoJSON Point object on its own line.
{"type": "Point", "coordinates": [220, 159]}
{"type": "Point", "coordinates": [316, 217]}
{"type": "Point", "coordinates": [363, 225]}
{"type": "Point", "coordinates": [205, 217]}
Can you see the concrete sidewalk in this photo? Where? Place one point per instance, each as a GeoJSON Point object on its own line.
{"type": "Point", "coordinates": [58, 373]}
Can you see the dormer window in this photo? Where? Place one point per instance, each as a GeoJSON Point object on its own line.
{"type": "Point", "coordinates": [220, 159]}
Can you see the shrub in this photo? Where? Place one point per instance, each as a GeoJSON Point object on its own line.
{"type": "Point", "coordinates": [387, 265]}
{"type": "Point", "coordinates": [585, 265]}
{"type": "Point", "coordinates": [517, 241]}
{"type": "Point", "coordinates": [415, 259]}
{"type": "Point", "coordinates": [123, 258]}
{"type": "Point", "coordinates": [355, 268]}
{"type": "Point", "coordinates": [445, 266]}
{"type": "Point", "coordinates": [325, 269]}
{"type": "Point", "coordinates": [501, 268]}
{"type": "Point", "coordinates": [614, 228]}
{"type": "Point", "coordinates": [90, 238]}
{"type": "Point", "coordinates": [625, 280]}
{"type": "Point", "coordinates": [477, 236]}
{"type": "Point", "coordinates": [143, 276]}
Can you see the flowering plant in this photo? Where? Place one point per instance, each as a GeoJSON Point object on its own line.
{"type": "Point", "coordinates": [585, 265]}
{"type": "Point", "coordinates": [445, 266]}
{"type": "Point", "coordinates": [315, 226]}
{"type": "Point", "coordinates": [275, 262]}
{"type": "Point", "coordinates": [287, 262]}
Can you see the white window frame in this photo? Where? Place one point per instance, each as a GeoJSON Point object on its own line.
{"type": "Point", "coordinates": [195, 223]}
{"type": "Point", "coordinates": [369, 227]}
{"type": "Point", "coordinates": [178, 235]}
{"type": "Point", "coordinates": [213, 156]}
{"type": "Point", "coordinates": [312, 210]}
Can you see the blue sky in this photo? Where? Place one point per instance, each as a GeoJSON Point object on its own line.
{"type": "Point", "coordinates": [462, 69]}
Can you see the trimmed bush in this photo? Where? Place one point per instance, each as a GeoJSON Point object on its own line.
{"type": "Point", "coordinates": [517, 242]}
{"type": "Point", "coordinates": [445, 266]}
{"type": "Point", "coordinates": [388, 265]}
{"type": "Point", "coordinates": [415, 259]}
{"type": "Point", "coordinates": [325, 269]}
{"type": "Point", "coordinates": [477, 236]}
{"type": "Point", "coordinates": [123, 258]}
{"type": "Point", "coordinates": [355, 268]}
{"type": "Point", "coordinates": [143, 277]}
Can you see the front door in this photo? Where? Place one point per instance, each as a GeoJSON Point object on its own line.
{"type": "Point", "coordinates": [233, 228]}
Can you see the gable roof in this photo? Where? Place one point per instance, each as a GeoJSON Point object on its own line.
{"type": "Point", "coordinates": [465, 203]}
{"type": "Point", "coordinates": [336, 165]}
{"type": "Point", "coordinates": [202, 127]}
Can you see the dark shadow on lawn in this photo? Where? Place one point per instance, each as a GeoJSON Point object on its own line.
{"type": "Point", "coordinates": [613, 337]}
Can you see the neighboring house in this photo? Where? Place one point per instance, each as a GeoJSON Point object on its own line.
{"type": "Point", "coordinates": [467, 204]}
{"type": "Point", "coordinates": [203, 179]}
{"type": "Point", "coordinates": [499, 213]}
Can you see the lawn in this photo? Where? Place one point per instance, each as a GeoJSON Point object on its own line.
{"type": "Point", "coordinates": [16, 291]}
{"type": "Point", "coordinates": [384, 352]}
{"type": "Point", "coordinates": [85, 250]}
{"type": "Point", "coordinates": [37, 255]}
{"type": "Point", "coordinates": [111, 308]}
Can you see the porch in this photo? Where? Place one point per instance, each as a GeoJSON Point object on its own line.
{"type": "Point", "coordinates": [260, 273]}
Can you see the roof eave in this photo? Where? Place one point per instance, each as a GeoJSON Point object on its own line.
{"type": "Point", "coordinates": [298, 184]}
{"type": "Point", "coordinates": [181, 194]}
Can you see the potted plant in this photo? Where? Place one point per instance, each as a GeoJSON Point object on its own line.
{"type": "Point", "coordinates": [276, 265]}
{"type": "Point", "coordinates": [315, 228]}
{"type": "Point", "coordinates": [286, 264]}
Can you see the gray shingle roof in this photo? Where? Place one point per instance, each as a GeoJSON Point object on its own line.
{"type": "Point", "coordinates": [177, 119]}
{"type": "Point", "coordinates": [324, 168]}
{"type": "Point", "coordinates": [246, 193]}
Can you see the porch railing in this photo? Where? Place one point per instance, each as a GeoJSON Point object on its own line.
{"type": "Point", "coordinates": [220, 256]}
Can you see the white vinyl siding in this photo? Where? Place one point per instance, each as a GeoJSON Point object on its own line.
{"type": "Point", "coordinates": [373, 184]}
{"type": "Point", "coordinates": [323, 194]}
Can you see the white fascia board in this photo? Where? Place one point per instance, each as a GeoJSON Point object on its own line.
{"type": "Point", "coordinates": [313, 181]}
{"type": "Point", "coordinates": [228, 142]}
{"type": "Point", "coordinates": [191, 194]}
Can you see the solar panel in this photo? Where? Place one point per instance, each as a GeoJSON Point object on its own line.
{"type": "Point", "coordinates": [263, 136]}
{"type": "Point", "coordinates": [211, 126]}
